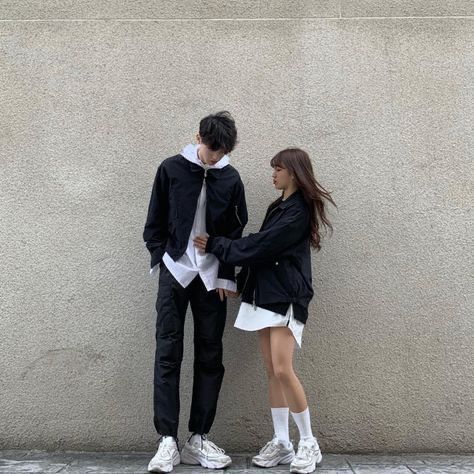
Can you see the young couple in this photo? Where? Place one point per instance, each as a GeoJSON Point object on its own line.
{"type": "Point", "coordinates": [196, 217]}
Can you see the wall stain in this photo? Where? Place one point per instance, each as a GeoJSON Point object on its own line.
{"type": "Point", "coordinates": [75, 361]}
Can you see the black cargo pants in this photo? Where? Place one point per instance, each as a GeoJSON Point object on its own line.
{"type": "Point", "coordinates": [209, 315]}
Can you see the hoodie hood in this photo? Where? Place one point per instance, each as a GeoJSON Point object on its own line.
{"type": "Point", "coordinates": [190, 153]}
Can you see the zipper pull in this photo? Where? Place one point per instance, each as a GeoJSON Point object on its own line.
{"type": "Point", "coordinates": [237, 215]}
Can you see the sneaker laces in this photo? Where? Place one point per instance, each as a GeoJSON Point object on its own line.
{"type": "Point", "coordinates": [164, 448]}
{"type": "Point", "coordinates": [305, 451]}
{"type": "Point", "coordinates": [269, 448]}
{"type": "Point", "coordinates": [212, 446]}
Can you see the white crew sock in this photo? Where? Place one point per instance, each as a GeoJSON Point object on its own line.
{"type": "Point", "coordinates": [280, 424]}
{"type": "Point", "coordinates": [303, 422]}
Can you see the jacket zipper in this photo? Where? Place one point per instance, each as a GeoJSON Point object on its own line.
{"type": "Point", "coordinates": [243, 289]}
{"type": "Point", "coordinates": [246, 280]}
{"type": "Point", "coordinates": [253, 296]}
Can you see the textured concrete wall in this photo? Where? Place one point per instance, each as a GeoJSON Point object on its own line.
{"type": "Point", "coordinates": [95, 94]}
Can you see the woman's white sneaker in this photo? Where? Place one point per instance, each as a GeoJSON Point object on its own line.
{"type": "Point", "coordinates": [307, 458]}
{"type": "Point", "coordinates": [166, 457]}
{"type": "Point", "coordinates": [199, 450]}
{"type": "Point", "coordinates": [274, 453]}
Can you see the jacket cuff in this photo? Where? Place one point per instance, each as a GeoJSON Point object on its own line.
{"type": "Point", "coordinates": [156, 256]}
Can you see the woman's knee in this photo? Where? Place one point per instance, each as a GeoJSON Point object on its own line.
{"type": "Point", "coordinates": [283, 372]}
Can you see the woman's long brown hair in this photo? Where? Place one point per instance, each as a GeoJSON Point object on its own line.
{"type": "Point", "coordinates": [298, 164]}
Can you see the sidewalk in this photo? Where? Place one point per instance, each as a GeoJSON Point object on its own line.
{"type": "Point", "coordinates": [117, 463]}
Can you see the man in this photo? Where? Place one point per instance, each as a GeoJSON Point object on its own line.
{"type": "Point", "coordinates": [195, 192]}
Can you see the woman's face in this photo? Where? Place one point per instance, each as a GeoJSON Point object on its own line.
{"type": "Point", "coordinates": [281, 178]}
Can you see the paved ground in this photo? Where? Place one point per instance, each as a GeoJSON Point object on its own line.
{"type": "Point", "coordinates": [87, 462]}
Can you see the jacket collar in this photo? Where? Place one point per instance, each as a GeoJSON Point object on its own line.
{"type": "Point", "coordinates": [297, 195]}
{"type": "Point", "coordinates": [189, 152]}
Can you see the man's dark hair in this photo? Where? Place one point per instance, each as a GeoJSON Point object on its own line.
{"type": "Point", "coordinates": [218, 131]}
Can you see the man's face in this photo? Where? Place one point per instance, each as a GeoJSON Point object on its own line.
{"type": "Point", "coordinates": [208, 156]}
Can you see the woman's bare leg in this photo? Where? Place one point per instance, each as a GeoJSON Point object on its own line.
{"type": "Point", "coordinates": [282, 344]}
{"type": "Point", "coordinates": [275, 392]}
{"type": "Point", "coordinates": [278, 405]}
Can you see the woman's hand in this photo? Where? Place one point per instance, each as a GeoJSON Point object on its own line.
{"type": "Point", "coordinates": [226, 293]}
{"type": "Point", "coordinates": [232, 294]}
{"type": "Point", "coordinates": [200, 242]}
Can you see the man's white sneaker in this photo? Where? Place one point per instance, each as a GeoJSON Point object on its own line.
{"type": "Point", "coordinates": [307, 458]}
{"type": "Point", "coordinates": [166, 457]}
{"type": "Point", "coordinates": [274, 453]}
{"type": "Point", "coordinates": [199, 450]}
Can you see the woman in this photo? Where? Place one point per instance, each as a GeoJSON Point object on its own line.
{"type": "Point", "coordinates": [275, 284]}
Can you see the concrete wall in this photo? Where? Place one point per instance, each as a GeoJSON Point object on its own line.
{"type": "Point", "coordinates": [95, 94]}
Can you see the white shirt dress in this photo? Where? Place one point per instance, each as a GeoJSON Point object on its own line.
{"type": "Point", "coordinates": [254, 318]}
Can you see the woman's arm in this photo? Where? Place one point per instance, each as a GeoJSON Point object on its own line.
{"type": "Point", "coordinates": [238, 216]}
{"type": "Point", "coordinates": [262, 246]}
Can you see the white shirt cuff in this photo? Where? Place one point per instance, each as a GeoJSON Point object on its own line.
{"type": "Point", "coordinates": [226, 284]}
{"type": "Point", "coordinates": [154, 270]}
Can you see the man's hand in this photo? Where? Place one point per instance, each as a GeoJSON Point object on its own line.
{"type": "Point", "coordinates": [200, 242]}
{"type": "Point", "coordinates": [221, 292]}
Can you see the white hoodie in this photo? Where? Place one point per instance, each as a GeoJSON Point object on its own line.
{"type": "Point", "coordinates": [195, 262]}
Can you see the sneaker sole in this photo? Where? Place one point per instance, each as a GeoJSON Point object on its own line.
{"type": "Point", "coordinates": [193, 460]}
{"type": "Point", "coordinates": [284, 460]}
{"type": "Point", "coordinates": [310, 468]}
{"type": "Point", "coordinates": [168, 468]}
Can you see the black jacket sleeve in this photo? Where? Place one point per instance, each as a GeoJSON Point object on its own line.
{"type": "Point", "coordinates": [155, 233]}
{"type": "Point", "coordinates": [263, 246]}
{"type": "Point", "coordinates": [240, 216]}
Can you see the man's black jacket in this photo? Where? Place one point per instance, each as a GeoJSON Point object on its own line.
{"type": "Point", "coordinates": [173, 203]}
{"type": "Point", "coordinates": [277, 259]}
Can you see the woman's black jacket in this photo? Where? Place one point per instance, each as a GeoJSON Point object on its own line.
{"type": "Point", "coordinates": [276, 260]}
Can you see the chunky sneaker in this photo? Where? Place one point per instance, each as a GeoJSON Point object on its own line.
{"type": "Point", "coordinates": [274, 453]}
{"type": "Point", "coordinates": [308, 456]}
{"type": "Point", "coordinates": [199, 450]}
{"type": "Point", "coordinates": [166, 457]}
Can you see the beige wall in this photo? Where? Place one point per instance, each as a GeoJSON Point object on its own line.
{"type": "Point", "coordinates": [95, 94]}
